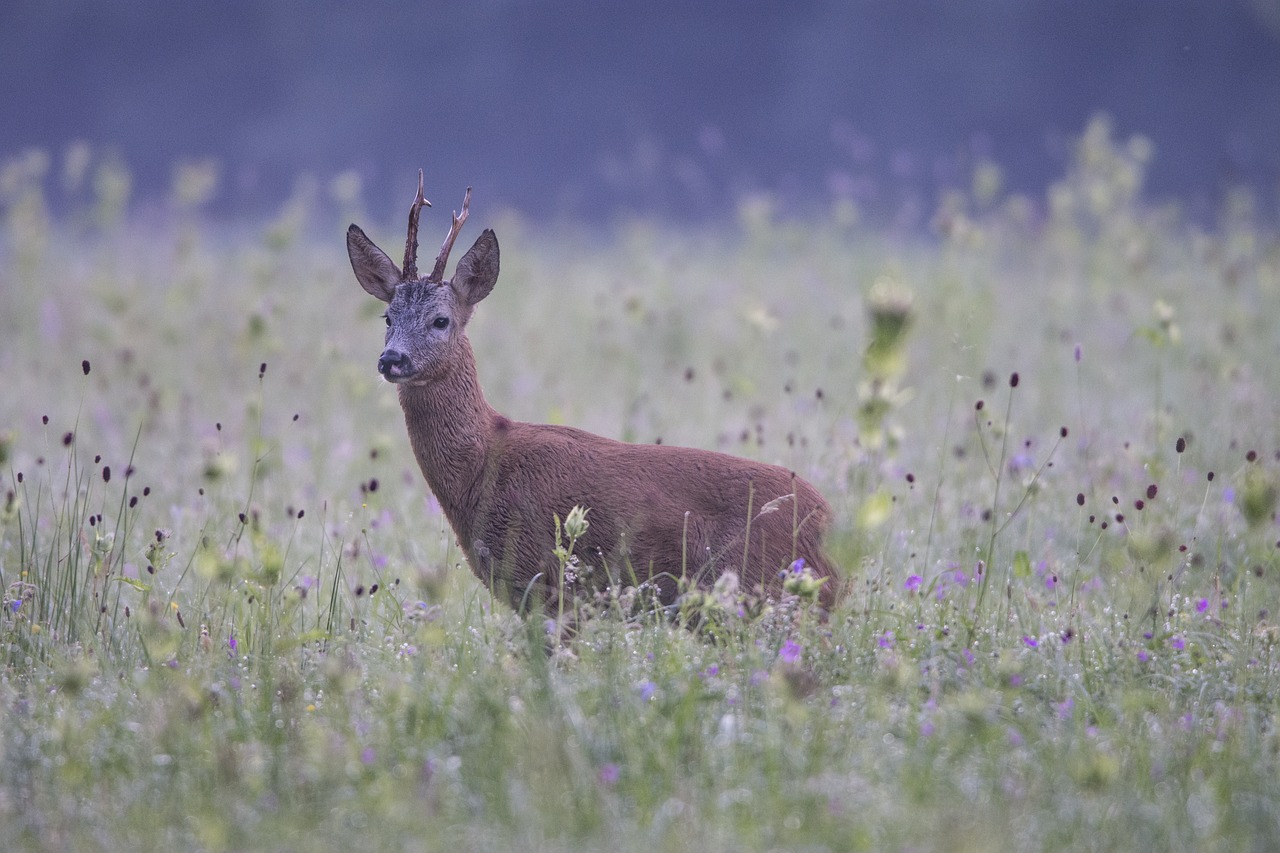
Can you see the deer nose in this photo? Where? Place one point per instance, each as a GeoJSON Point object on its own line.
{"type": "Point", "coordinates": [392, 363]}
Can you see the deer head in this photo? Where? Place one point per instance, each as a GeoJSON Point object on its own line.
{"type": "Point", "coordinates": [426, 317]}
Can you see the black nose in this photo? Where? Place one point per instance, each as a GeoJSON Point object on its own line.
{"type": "Point", "coordinates": [392, 363]}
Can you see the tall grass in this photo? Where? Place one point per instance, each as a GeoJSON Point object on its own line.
{"type": "Point", "coordinates": [234, 618]}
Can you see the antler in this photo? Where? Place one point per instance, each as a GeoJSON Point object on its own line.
{"type": "Point", "coordinates": [437, 274]}
{"type": "Point", "coordinates": [411, 242]}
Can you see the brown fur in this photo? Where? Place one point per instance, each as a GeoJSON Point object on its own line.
{"type": "Point", "coordinates": [656, 513]}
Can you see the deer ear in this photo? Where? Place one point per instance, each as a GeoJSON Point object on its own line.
{"type": "Point", "coordinates": [477, 272]}
{"type": "Point", "coordinates": [377, 273]}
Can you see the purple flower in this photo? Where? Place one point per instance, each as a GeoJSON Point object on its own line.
{"type": "Point", "coordinates": [15, 604]}
{"type": "Point", "coordinates": [798, 566]}
{"type": "Point", "coordinates": [913, 583]}
{"type": "Point", "coordinates": [886, 640]}
{"type": "Point", "coordinates": [1202, 605]}
{"type": "Point", "coordinates": [609, 774]}
{"type": "Point", "coordinates": [711, 671]}
{"type": "Point", "coordinates": [790, 651]}
{"type": "Point", "coordinates": [368, 755]}
{"type": "Point", "coordinates": [1178, 643]}
{"type": "Point", "coordinates": [1229, 495]}
{"type": "Point", "coordinates": [647, 689]}
{"type": "Point", "coordinates": [231, 643]}
{"type": "Point", "coordinates": [1143, 657]}
{"type": "Point", "coordinates": [1031, 642]}
{"type": "Point", "coordinates": [1064, 708]}
{"type": "Point", "coordinates": [969, 659]}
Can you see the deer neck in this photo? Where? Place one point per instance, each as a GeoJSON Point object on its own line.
{"type": "Point", "coordinates": [451, 427]}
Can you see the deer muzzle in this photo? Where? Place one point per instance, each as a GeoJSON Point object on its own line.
{"type": "Point", "coordinates": [393, 364]}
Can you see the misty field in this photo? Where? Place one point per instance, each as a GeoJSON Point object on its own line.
{"type": "Point", "coordinates": [235, 618]}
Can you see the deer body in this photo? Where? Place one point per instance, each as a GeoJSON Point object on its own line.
{"type": "Point", "coordinates": [658, 514]}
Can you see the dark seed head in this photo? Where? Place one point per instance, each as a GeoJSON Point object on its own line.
{"type": "Point", "coordinates": [1181, 445]}
{"type": "Point", "coordinates": [1151, 491]}
{"type": "Point", "coordinates": [84, 365]}
{"type": "Point", "coordinates": [1079, 498]}
{"type": "Point", "coordinates": [1013, 380]}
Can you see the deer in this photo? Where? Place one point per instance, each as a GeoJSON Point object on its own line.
{"type": "Point", "coordinates": [668, 520]}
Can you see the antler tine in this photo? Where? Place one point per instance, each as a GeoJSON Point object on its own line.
{"type": "Point", "coordinates": [411, 242]}
{"type": "Point", "coordinates": [437, 274]}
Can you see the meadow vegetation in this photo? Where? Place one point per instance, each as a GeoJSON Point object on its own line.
{"type": "Point", "coordinates": [234, 617]}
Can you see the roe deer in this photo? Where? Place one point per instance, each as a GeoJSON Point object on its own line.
{"type": "Point", "coordinates": [672, 517]}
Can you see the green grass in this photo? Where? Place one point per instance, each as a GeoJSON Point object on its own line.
{"type": "Point", "coordinates": [254, 631]}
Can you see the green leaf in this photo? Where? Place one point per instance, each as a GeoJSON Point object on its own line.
{"type": "Point", "coordinates": [1021, 565]}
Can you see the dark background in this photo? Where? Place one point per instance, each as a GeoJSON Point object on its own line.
{"type": "Point", "coordinates": [594, 110]}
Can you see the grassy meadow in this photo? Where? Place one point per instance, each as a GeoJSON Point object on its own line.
{"type": "Point", "coordinates": [234, 618]}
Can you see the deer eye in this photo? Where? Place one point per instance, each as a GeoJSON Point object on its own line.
{"type": "Point", "coordinates": [441, 323]}
{"type": "Point", "coordinates": [388, 319]}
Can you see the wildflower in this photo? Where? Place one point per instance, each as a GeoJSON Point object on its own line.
{"type": "Point", "coordinates": [1178, 643]}
{"type": "Point", "coordinates": [647, 689]}
{"type": "Point", "coordinates": [969, 659]}
{"type": "Point", "coordinates": [1031, 642]}
{"type": "Point", "coordinates": [1202, 605]}
{"type": "Point", "coordinates": [790, 651]}
{"type": "Point", "coordinates": [609, 774]}
{"type": "Point", "coordinates": [913, 583]}
{"type": "Point", "coordinates": [1064, 708]}
{"type": "Point", "coordinates": [368, 755]}
{"type": "Point", "coordinates": [232, 644]}
{"type": "Point", "coordinates": [886, 640]}
{"type": "Point", "coordinates": [711, 671]}
{"type": "Point", "coordinates": [1143, 657]}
